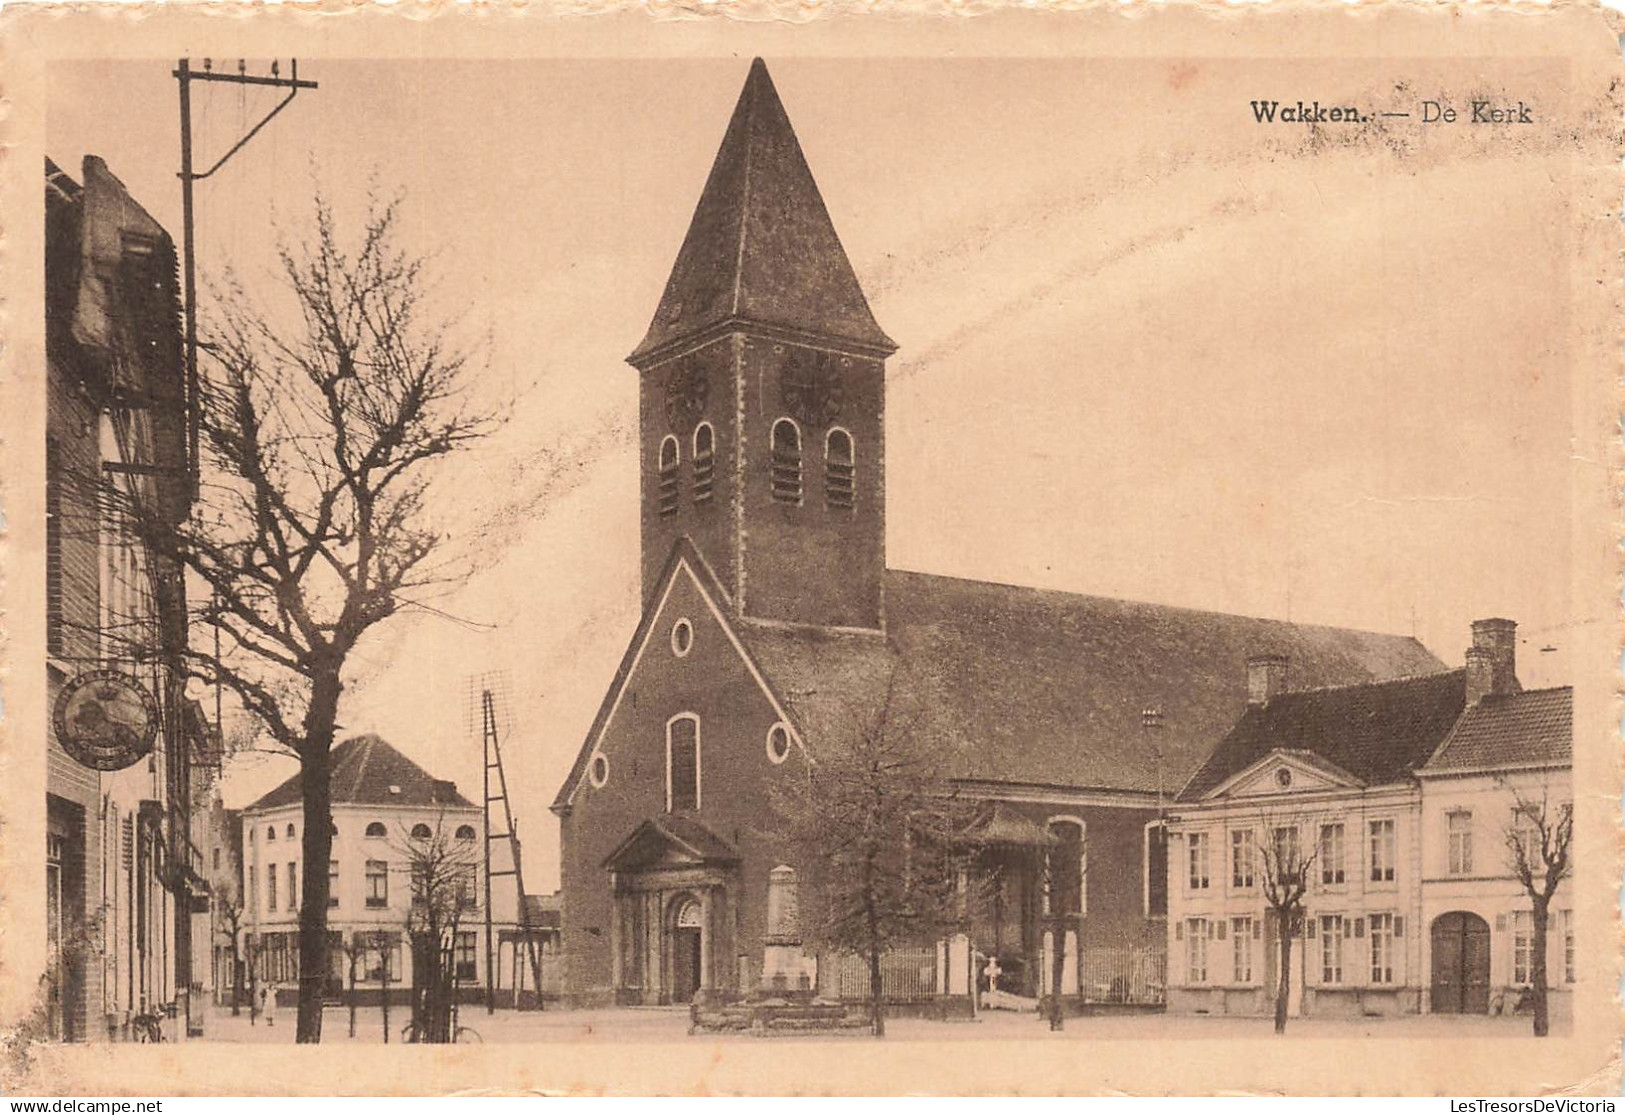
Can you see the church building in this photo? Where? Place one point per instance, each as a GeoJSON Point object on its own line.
{"type": "Point", "coordinates": [770, 618]}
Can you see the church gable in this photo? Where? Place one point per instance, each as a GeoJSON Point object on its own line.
{"type": "Point", "coordinates": [685, 663]}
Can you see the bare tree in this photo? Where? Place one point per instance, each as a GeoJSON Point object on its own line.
{"type": "Point", "coordinates": [1063, 897]}
{"type": "Point", "coordinates": [230, 909]}
{"type": "Point", "coordinates": [878, 830]}
{"type": "Point", "coordinates": [384, 944]}
{"type": "Point", "coordinates": [443, 871]}
{"type": "Point", "coordinates": [1537, 843]}
{"type": "Point", "coordinates": [355, 947]}
{"type": "Point", "coordinates": [320, 430]}
{"type": "Point", "coordinates": [1284, 868]}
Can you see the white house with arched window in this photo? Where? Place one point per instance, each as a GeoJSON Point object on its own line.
{"type": "Point", "coordinates": [385, 809]}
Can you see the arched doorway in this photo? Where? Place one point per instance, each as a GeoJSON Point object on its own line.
{"type": "Point", "coordinates": [1461, 964]}
{"type": "Point", "coordinates": [687, 944]}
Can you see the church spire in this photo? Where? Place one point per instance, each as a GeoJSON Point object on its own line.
{"type": "Point", "coordinates": [761, 248]}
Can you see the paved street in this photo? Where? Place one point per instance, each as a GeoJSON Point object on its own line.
{"type": "Point", "coordinates": [663, 1024]}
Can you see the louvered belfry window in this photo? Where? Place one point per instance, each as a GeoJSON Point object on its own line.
{"type": "Point", "coordinates": [705, 462]}
{"type": "Point", "coordinates": [667, 493]}
{"type": "Point", "coordinates": [786, 470]}
{"type": "Point", "coordinates": [839, 470]}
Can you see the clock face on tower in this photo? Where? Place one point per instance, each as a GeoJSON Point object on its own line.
{"type": "Point", "coordinates": [810, 386]}
{"type": "Point", "coordinates": [687, 386]}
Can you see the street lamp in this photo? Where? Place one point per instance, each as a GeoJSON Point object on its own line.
{"type": "Point", "coordinates": [1151, 723]}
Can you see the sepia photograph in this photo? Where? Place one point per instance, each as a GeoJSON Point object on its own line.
{"type": "Point", "coordinates": [708, 543]}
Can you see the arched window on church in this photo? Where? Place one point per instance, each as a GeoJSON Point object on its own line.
{"type": "Point", "coordinates": [705, 462]}
{"type": "Point", "coordinates": [786, 469]}
{"type": "Point", "coordinates": [667, 494]}
{"type": "Point", "coordinates": [1066, 867]}
{"type": "Point", "coordinates": [682, 762]}
{"type": "Point", "coordinates": [840, 469]}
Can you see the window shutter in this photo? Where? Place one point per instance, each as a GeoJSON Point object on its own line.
{"type": "Point", "coordinates": [1500, 923]}
{"type": "Point", "coordinates": [1311, 928]}
{"type": "Point", "coordinates": [1179, 931]}
{"type": "Point", "coordinates": [1210, 929]}
{"type": "Point", "coordinates": [1399, 926]}
{"type": "Point", "coordinates": [1258, 930]}
{"type": "Point", "coordinates": [1359, 927]}
{"type": "Point", "coordinates": [1221, 931]}
{"type": "Point", "coordinates": [1348, 927]}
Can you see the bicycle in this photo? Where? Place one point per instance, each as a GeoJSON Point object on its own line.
{"type": "Point", "coordinates": [411, 1033]}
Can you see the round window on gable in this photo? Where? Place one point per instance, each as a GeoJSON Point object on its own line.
{"type": "Point", "coordinates": [682, 638]}
{"type": "Point", "coordinates": [1283, 777]}
{"type": "Point", "coordinates": [598, 771]}
{"type": "Point", "coordinates": [778, 743]}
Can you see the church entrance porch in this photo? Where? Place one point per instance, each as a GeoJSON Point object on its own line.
{"type": "Point", "coordinates": [676, 886]}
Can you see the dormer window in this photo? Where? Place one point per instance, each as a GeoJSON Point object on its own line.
{"type": "Point", "coordinates": [840, 470]}
{"type": "Point", "coordinates": [705, 462]}
{"type": "Point", "coordinates": [786, 467]}
{"type": "Point", "coordinates": [666, 492]}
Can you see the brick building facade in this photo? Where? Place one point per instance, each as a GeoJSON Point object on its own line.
{"type": "Point", "coordinates": [770, 619]}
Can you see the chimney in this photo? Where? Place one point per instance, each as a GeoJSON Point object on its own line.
{"type": "Point", "coordinates": [1266, 677]}
{"type": "Point", "coordinates": [1492, 660]}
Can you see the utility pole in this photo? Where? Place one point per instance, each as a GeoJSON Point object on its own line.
{"type": "Point", "coordinates": [185, 75]}
{"type": "Point", "coordinates": [181, 825]}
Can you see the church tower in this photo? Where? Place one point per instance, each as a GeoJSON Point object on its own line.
{"type": "Point", "coordinates": [762, 392]}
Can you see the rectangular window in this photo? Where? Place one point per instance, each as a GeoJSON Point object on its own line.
{"type": "Point", "coordinates": [383, 957]}
{"type": "Point", "coordinates": [1459, 827]}
{"type": "Point", "coordinates": [1382, 948]}
{"type": "Point", "coordinates": [1287, 859]}
{"type": "Point", "coordinates": [53, 548]}
{"type": "Point", "coordinates": [1196, 950]}
{"type": "Point", "coordinates": [293, 886]}
{"type": "Point", "coordinates": [683, 764]}
{"type": "Point", "coordinates": [1526, 839]}
{"type": "Point", "coordinates": [1331, 948]}
{"type": "Point", "coordinates": [253, 875]}
{"type": "Point", "coordinates": [1243, 854]}
{"type": "Point", "coordinates": [377, 884]}
{"type": "Point", "coordinates": [1241, 936]}
{"type": "Point", "coordinates": [1331, 856]}
{"type": "Point", "coordinates": [1567, 917]}
{"type": "Point", "coordinates": [1523, 945]}
{"type": "Point", "coordinates": [465, 956]}
{"type": "Point", "coordinates": [332, 884]}
{"type": "Point", "coordinates": [1382, 851]}
{"type": "Point", "coordinates": [1198, 860]}
{"type": "Point", "coordinates": [270, 887]}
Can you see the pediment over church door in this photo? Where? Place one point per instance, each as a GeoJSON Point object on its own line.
{"type": "Point", "coordinates": [670, 842]}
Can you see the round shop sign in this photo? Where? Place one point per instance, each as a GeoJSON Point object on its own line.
{"type": "Point", "coordinates": [105, 720]}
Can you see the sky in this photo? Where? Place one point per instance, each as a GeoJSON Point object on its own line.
{"type": "Point", "coordinates": [1148, 349]}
